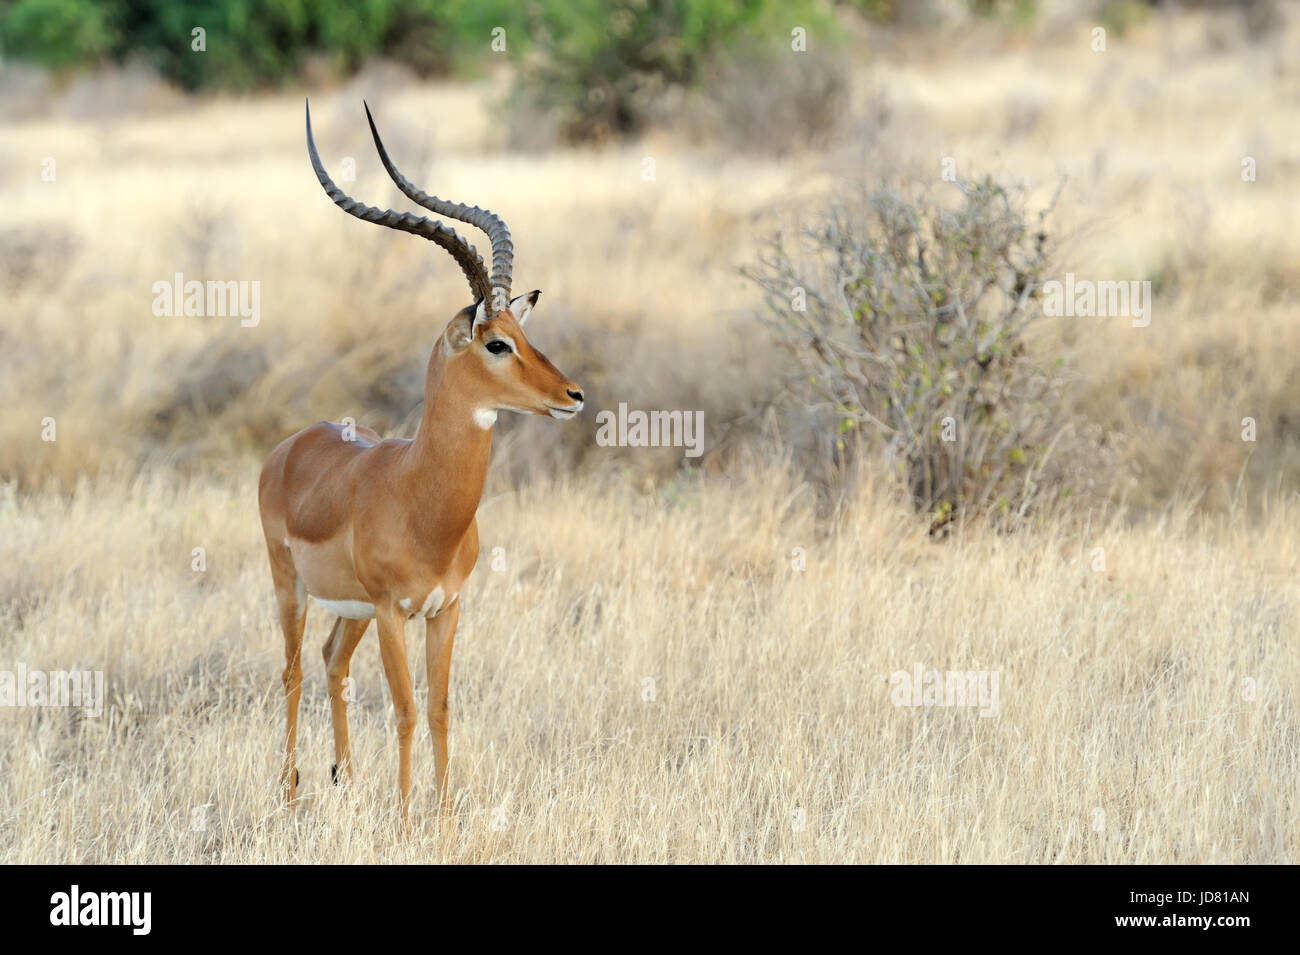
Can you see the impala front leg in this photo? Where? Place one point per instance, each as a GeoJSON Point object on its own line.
{"type": "Point", "coordinates": [392, 648]}
{"type": "Point", "coordinates": [440, 631]}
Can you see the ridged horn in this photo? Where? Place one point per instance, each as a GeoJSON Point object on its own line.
{"type": "Point", "coordinates": [466, 256]}
{"type": "Point", "coordinates": [503, 249]}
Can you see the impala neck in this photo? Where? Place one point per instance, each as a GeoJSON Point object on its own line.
{"type": "Point", "coordinates": [447, 462]}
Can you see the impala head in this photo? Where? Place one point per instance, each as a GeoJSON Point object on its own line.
{"type": "Point", "coordinates": [495, 366]}
{"type": "Point", "coordinates": [499, 370]}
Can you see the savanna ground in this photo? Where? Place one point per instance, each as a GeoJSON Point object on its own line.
{"type": "Point", "coordinates": [645, 676]}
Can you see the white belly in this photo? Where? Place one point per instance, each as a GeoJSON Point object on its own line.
{"type": "Point", "coordinates": [352, 609]}
{"type": "Point", "coordinates": [360, 610]}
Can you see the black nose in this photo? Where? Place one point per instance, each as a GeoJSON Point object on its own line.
{"type": "Point", "coordinates": [575, 395]}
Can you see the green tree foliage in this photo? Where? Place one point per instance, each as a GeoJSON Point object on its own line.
{"type": "Point", "coordinates": [596, 63]}
{"type": "Point", "coordinates": [253, 43]}
{"type": "Point", "coordinates": [605, 62]}
{"type": "Point", "coordinates": [58, 33]}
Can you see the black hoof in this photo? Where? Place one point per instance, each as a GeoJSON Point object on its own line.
{"type": "Point", "coordinates": [295, 778]}
{"type": "Point", "coordinates": [334, 774]}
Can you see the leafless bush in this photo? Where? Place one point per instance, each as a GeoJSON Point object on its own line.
{"type": "Point", "coordinates": [910, 320]}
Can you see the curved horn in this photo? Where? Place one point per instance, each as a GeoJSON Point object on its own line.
{"type": "Point", "coordinates": [466, 256]}
{"type": "Point", "coordinates": [493, 226]}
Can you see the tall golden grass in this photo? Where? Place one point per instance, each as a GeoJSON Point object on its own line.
{"type": "Point", "coordinates": [649, 678]}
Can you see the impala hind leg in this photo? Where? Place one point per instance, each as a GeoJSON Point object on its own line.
{"type": "Point", "coordinates": [292, 601]}
{"type": "Point", "coordinates": [392, 647]}
{"type": "Point", "coordinates": [440, 632]}
{"type": "Point", "coordinates": [338, 652]}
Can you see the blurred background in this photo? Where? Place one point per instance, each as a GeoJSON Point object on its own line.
{"type": "Point", "coordinates": [830, 228]}
{"type": "Point", "coordinates": [669, 169]}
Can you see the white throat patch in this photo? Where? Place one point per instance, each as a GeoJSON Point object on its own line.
{"type": "Point", "coordinates": [485, 417]}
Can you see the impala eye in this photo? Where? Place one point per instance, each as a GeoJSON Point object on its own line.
{"type": "Point", "coordinates": [497, 347]}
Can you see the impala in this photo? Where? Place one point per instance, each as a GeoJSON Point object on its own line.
{"type": "Point", "coordinates": [385, 529]}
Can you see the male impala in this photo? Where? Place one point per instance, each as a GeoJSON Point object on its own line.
{"type": "Point", "coordinates": [384, 529]}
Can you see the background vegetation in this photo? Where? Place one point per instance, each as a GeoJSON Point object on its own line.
{"type": "Point", "coordinates": [600, 64]}
{"type": "Point", "coordinates": [1144, 633]}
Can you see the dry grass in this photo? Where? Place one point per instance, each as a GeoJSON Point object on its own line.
{"type": "Point", "coordinates": [644, 302]}
{"type": "Point", "coordinates": [1121, 690]}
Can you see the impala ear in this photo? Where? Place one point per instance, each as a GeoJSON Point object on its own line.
{"type": "Point", "coordinates": [522, 307]}
{"type": "Point", "coordinates": [461, 330]}
{"type": "Point", "coordinates": [480, 316]}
